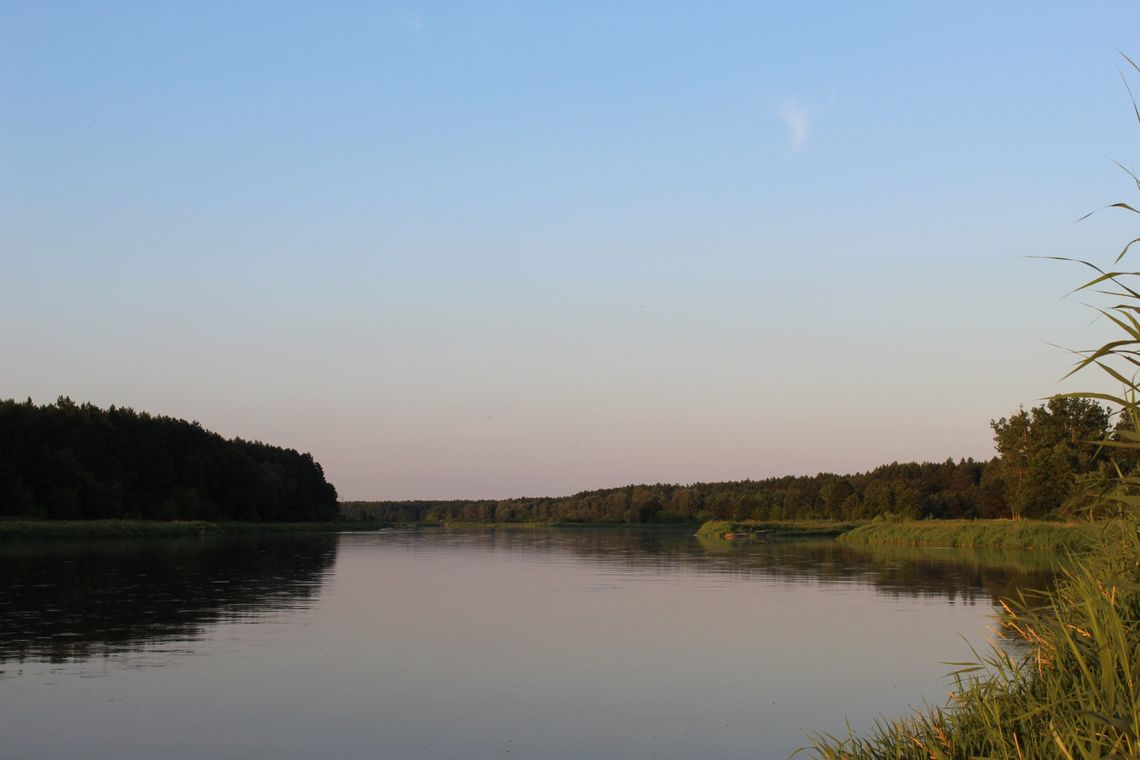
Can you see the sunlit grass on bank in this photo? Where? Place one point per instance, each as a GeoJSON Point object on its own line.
{"type": "Point", "coordinates": [981, 557]}
{"type": "Point", "coordinates": [1075, 695]}
{"type": "Point", "coordinates": [745, 529]}
{"type": "Point", "coordinates": [1007, 534]}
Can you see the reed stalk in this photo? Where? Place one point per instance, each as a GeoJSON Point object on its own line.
{"type": "Point", "coordinates": [1074, 693]}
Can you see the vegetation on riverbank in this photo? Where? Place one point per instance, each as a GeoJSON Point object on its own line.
{"type": "Point", "coordinates": [730, 529]}
{"type": "Point", "coordinates": [980, 558]}
{"type": "Point", "coordinates": [996, 534]}
{"type": "Point", "coordinates": [36, 530]}
{"type": "Point", "coordinates": [1006, 534]}
{"type": "Point", "coordinates": [77, 461]}
{"type": "Point", "coordinates": [1075, 693]}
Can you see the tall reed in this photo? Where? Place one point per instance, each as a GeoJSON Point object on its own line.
{"type": "Point", "coordinates": [1074, 693]}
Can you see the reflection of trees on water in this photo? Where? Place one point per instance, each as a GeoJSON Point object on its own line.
{"type": "Point", "coordinates": [70, 601]}
{"type": "Point", "coordinates": [959, 575]}
{"type": "Point", "coordinates": [67, 601]}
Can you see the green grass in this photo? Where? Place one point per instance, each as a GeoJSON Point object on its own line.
{"type": "Point", "coordinates": [1075, 694]}
{"type": "Point", "coordinates": [1005, 534]}
{"type": "Point", "coordinates": [980, 557]}
{"type": "Point", "coordinates": [718, 529]}
{"type": "Point", "coordinates": [36, 530]}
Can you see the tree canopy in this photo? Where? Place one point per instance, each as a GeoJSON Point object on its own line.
{"type": "Point", "coordinates": [77, 461]}
{"type": "Point", "coordinates": [1041, 453]}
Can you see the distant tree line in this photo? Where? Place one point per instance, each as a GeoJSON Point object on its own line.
{"type": "Point", "coordinates": [949, 489]}
{"type": "Point", "coordinates": [1044, 466]}
{"type": "Point", "coordinates": [78, 461]}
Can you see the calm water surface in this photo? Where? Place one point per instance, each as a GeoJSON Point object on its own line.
{"type": "Point", "coordinates": [491, 644]}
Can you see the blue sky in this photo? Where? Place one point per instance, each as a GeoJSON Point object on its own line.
{"type": "Point", "coordinates": [503, 249]}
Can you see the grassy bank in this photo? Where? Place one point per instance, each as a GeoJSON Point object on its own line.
{"type": "Point", "coordinates": [1075, 694]}
{"type": "Point", "coordinates": [720, 529]}
{"type": "Point", "coordinates": [36, 530]}
{"type": "Point", "coordinates": [1004, 534]}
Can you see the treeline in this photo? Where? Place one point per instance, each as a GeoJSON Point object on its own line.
{"type": "Point", "coordinates": [1044, 467]}
{"type": "Point", "coordinates": [78, 461]}
{"type": "Point", "coordinates": [948, 489]}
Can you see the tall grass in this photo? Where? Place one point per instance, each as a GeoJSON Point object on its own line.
{"type": "Point", "coordinates": [1005, 534]}
{"type": "Point", "coordinates": [1075, 694]}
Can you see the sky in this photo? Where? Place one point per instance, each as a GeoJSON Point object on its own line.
{"type": "Point", "coordinates": [497, 249]}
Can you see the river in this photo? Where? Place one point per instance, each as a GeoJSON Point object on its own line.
{"type": "Point", "coordinates": [571, 643]}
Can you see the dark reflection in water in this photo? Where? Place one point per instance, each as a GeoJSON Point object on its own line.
{"type": "Point", "coordinates": [965, 575]}
{"type": "Point", "coordinates": [70, 601]}
{"type": "Point", "coordinates": [66, 601]}
{"type": "Point", "coordinates": [73, 601]}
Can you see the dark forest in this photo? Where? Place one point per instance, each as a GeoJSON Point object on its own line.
{"type": "Point", "coordinates": [78, 462]}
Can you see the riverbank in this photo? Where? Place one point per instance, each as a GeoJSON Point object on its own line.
{"type": "Point", "coordinates": [732, 530]}
{"type": "Point", "coordinates": [997, 534]}
{"type": "Point", "coordinates": [37, 530]}
{"type": "Point", "coordinates": [546, 525]}
{"type": "Point", "coordinates": [1074, 694]}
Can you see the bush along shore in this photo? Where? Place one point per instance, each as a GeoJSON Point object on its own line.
{"type": "Point", "coordinates": [35, 530]}
{"type": "Point", "coordinates": [998, 534]}
{"type": "Point", "coordinates": [1074, 693]}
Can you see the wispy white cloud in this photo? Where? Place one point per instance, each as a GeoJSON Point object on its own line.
{"type": "Point", "coordinates": [801, 119]}
{"type": "Point", "coordinates": [798, 119]}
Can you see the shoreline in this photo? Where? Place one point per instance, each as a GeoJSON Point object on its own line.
{"type": "Point", "coordinates": [1031, 535]}
{"type": "Point", "coordinates": [736, 530]}
{"type": "Point", "coordinates": [1071, 689]}
{"type": "Point", "coordinates": [16, 531]}
{"type": "Point", "coordinates": [987, 533]}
